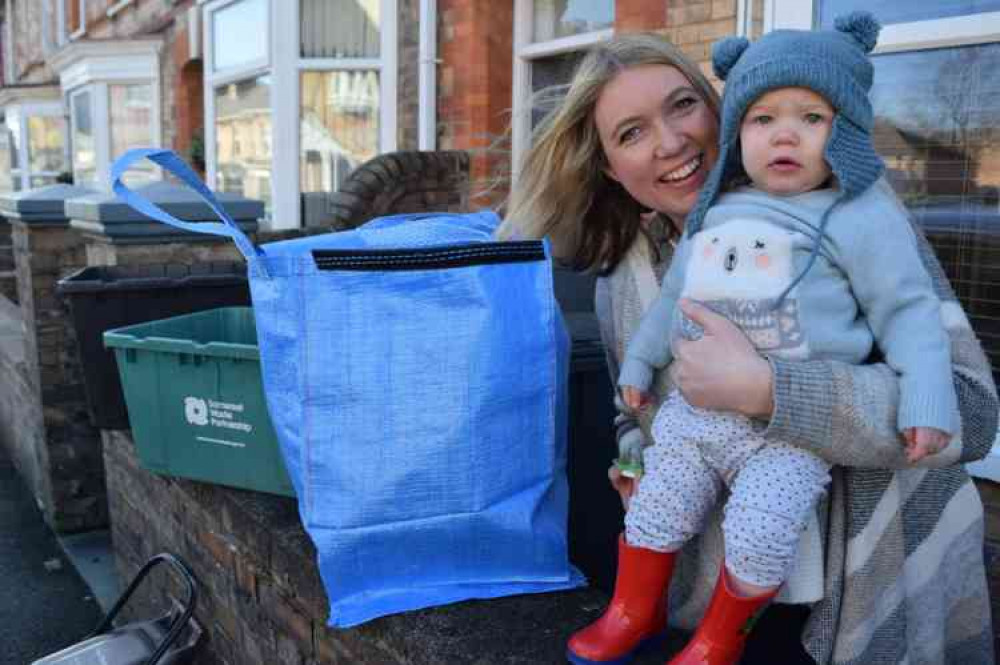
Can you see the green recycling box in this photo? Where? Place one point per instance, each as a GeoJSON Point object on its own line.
{"type": "Point", "coordinates": [195, 399]}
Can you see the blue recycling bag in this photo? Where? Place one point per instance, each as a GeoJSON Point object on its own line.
{"type": "Point", "coordinates": [415, 372]}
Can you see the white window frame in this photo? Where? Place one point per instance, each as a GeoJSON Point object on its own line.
{"type": "Point", "coordinates": [285, 65]}
{"type": "Point", "coordinates": [61, 36]}
{"type": "Point", "coordinates": [82, 30]}
{"type": "Point", "coordinates": [983, 28]}
{"type": "Point", "coordinates": [100, 130]}
{"type": "Point", "coordinates": [30, 103]}
{"type": "Point", "coordinates": [525, 50]}
{"type": "Point", "coordinates": [98, 65]}
{"type": "Point", "coordinates": [34, 110]}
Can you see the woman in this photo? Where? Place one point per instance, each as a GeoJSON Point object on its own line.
{"type": "Point", "coordinates": [903, 578]}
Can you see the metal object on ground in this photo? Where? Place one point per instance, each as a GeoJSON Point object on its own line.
{"type": "Point", "coordinates": [149, 642]}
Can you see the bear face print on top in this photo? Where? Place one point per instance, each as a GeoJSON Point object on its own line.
{"type": "Point", "coordinates": [740, 269]}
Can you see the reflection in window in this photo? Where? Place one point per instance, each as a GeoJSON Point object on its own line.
{"type": "Point", "coordinates": [131, 126]}
{"type": "Point", "coordinates": [84, 145]}
{"type": "Point", "coordinates": [339, 28]}
{"type": "Point", "coordinates": [339, 126]}
{"type": "Point", "coordinates": [45, 144]}
{"type": "Point", "coordinates": [549, 78]}
{"type": "Point", "coordinates": [938, 128]}
{"type": "Point", "coordinates": [8, 157]}
{"type": "Point", "coordinates": [243, 138]}
{"type": "Point", "coordinates": [239, 34]}
{"type": "Point", "coordinates": [561, 18]}
{"type": "Point", "coordinates": [904, 11]}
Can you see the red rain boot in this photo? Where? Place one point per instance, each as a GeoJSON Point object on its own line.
{"type": "Point", "coordinates": [722, 633]}
{"type": "Point", "coordinates": [637, 615]}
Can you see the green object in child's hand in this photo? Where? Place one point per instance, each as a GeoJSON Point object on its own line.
{"type": "Point", "coordinates": [629, 468]}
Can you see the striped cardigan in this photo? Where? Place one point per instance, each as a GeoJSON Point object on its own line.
{"type": "Point", "coordinates": [904, 574]}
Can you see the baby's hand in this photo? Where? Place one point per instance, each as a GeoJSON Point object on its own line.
{"type": "Point", "coordinates": [636, 399]}
{"type": "Point", "coordinates": [924, 441]}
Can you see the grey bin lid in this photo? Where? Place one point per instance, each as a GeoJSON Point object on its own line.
{"type": "Point", "coordinates": [106, 215]}
{"type": "Point", "coordinates": [41, 205]}
{"type": "Point", "coordinates": [179, 201]}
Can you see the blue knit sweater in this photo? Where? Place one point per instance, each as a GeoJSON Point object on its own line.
{"type": "Point", "coordinates": [867, 287]}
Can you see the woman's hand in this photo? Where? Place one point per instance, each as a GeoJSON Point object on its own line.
{"type": "Point", "coordinates": [721, 370]}
{"type": "Point", "coordinates": [624, 485]}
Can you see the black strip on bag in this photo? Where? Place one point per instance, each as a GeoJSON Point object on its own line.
{"type": "Point", "coordinates": [429, 258]}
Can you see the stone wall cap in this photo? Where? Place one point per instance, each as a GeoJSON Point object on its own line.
{"type": "Point", "coordinates": [178, 200]}
{"type": "Point", "coordinates": [42, 203]}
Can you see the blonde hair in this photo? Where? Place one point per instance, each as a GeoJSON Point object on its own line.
{"type": "Point", "coordinates": [562, 191]}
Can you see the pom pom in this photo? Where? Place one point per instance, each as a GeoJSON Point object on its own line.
{"type": "Point", "coordinates": [725, 54]}
{"type": "Point", "coordinates": [862, 26]}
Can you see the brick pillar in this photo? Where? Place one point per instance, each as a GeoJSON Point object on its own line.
{"type": "Point", "coordinates": [640, 15]}
{"type": "Point", "coordinates": [117, 235]}
{"type": "Point", "coordinates": [43, 413]}
{"type": "Point", "coordinates": [8, 278]}
{"type": "Point", "coordinates": [474, 87]}
{"type": "Point", "coordinates": [189, 102]}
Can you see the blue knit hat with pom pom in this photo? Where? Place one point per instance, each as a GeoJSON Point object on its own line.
{"type": "Point", "coordinates": [833, 63]}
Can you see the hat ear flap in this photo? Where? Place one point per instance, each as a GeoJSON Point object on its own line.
{"type": "Point", "coordinates": [725, 54]}
{"type": "Point", "coordinates": [862, 26]}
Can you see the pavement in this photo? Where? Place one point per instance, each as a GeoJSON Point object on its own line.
{"type": "Point", "coordinates": [46, 604]}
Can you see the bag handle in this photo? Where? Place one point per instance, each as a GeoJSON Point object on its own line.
{"type": "Point", "coordinates": [175, 165]}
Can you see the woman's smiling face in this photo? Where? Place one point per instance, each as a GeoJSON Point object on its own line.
{"type": "Point", "coordinates": [659, 136]}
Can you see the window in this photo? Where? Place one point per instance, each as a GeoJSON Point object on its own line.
{"type": "Point", "coordinates": [84, 142]}
{"type": "Point", "coordinates": [936, 96]}
{"type": "Point", "coordinates": [32, 138]}
{"type": "Point", "coordinates": [299, 110]}
{"type": "Point", "coordinates": [550, 37]}
{"type": "Point", "coordinates": [243, 129]}
{"type": "Point", "coordinates": [112, 94]}
{"type": "Point", "coordinates": [130, 115]}
{"type": "Point", "coordinates": [340, 90]}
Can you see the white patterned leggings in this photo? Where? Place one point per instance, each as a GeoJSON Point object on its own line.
{"type": "Point", "coordinates": [773, 488]}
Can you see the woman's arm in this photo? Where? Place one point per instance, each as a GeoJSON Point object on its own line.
{"type": "Point", "coordinates": [628, 434]}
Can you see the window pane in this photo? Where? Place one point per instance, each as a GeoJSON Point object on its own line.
{"type": "Point", "coordinates": [12, 122]}
{"type": "Point", "coordinates": [46, 136]}
{"type": "Point", "coordinates": [6, 159]}
{"type": "Point", "coordinates": [239, 34]}
{"type": "Point", "coordinates": [84, 147]}
{"type": "Point", "coordinates": [548, 76]}
{"type": "Point", "coordinates": [130, 108]}
{"type": "Point", "coordinates": [339, 126]}
{"type": "Point", "coordinates": [938, 128]}
{"type": "Point", "coordinates": [561, 18]}
{"type": "Point", "coordinates": [339, 28]}
{"type": "Point", "coordinates": [904, 11]}
{"type": "Point", "coordinates": [243, 138]}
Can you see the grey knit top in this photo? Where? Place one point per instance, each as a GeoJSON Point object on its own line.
{"type": "Point", "coordinates": [904, 573]}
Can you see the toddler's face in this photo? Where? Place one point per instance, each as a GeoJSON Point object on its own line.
{"type": "Point", "coordinates": [782, 136]}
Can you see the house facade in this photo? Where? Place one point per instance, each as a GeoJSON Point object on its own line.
{"type": "Point", "coordinates": [274, 99]}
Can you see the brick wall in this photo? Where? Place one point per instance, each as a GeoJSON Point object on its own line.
{"type": "Point", "coordinates": [475, 40]}
{"type": "Point", "coordinates": [261, 600]}
{"type": "Point", "coordinates": [26, 21]}
{"type": "Point", "coordinates": [45, 422]}
{"type": "Point", "coordinates": [8, 277]}
{"type": "Point", "coordinates": [181, 108]}
{"type": "Point", "coordinates": [694, 25]}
